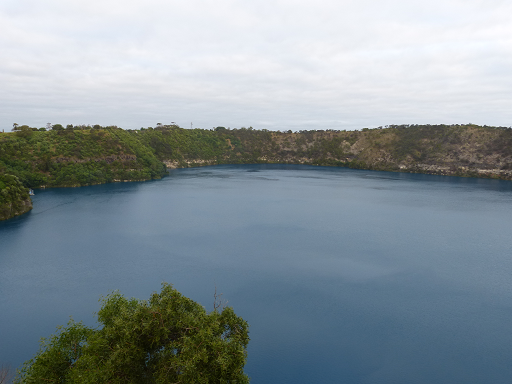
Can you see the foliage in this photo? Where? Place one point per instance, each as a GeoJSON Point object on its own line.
{"type": "Point", "coordinates": [84, 155]}
{"type": "Point", "coordinates": [14, 197]}
{"type": "Point", "coordinates": [167, 339]}
{"type": "Point", "coordinates": [74, 157]}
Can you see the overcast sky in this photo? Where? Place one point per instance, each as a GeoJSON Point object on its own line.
{"type": "Point", "coordinates": [279, 64]}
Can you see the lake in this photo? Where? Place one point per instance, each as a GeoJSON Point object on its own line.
{"type": "Point", "coordinates": [344, 276]}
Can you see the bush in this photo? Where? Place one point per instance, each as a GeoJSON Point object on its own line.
{"type": "Point", "coordinates": [167, 339]}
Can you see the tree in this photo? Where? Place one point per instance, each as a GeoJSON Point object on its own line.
{"type": "Point", "coordinates": [167, 339]}
{"type": "Point", "coordinates": [14, 196]}
{"type": "Point", "coordinates": [24, 131]}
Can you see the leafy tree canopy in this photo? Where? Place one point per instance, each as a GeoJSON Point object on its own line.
{"type": "Point", "coordinates": [167, 339]}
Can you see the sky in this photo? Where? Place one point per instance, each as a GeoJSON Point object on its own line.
{"type": "Point", "coordinates": [269, 64]}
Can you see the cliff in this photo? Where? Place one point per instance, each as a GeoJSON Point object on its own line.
{"type": "Point", "coordinates": [457, 150]}
{"type": "Point", "coordinates": [83, 155]}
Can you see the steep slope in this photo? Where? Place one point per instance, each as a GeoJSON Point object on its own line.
{"type": "Point", "coordinates": [460, 150]}
{"type": "Point", "coordinates": [84, 155]}
{"type": "Point", "coordinates": [14, 197]}
{"type": "Point", "coordinates": [69, 158]}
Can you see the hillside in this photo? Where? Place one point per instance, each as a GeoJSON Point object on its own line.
{"type": "Point", "coordinates": [78, 156]}
{"type": "Point", "coordinates": [68, 158]}
{"type": "Point", "coordinates": [457, 150]}
{"type": "Point", "coordinates": [14, 197]}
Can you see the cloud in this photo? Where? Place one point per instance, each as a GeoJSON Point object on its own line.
{"type": "Point", "coordinates": [270, 64]}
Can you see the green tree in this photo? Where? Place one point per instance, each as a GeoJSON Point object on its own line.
{"type": "Point", "coordinates": [14, 197]}
{"type": "Point", "coordinates": [167, 339]}
{"type": "Point", "coordinates": [24, 131]}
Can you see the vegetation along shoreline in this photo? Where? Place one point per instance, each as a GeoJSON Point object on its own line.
{"type": "Point", "coordinates": [74, 156]}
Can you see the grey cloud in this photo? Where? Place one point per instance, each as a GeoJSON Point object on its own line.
{"type": "Point", "coordinates": [270, 64]}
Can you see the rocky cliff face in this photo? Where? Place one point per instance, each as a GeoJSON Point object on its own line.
{"type": "Point", "coordinates": [458, 150]}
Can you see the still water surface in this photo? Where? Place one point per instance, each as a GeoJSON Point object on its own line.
{"type": "Point", "coordinates": [344, 276]}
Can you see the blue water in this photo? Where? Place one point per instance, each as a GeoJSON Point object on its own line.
{"type": "Point", "coordinates": [344, 276]}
